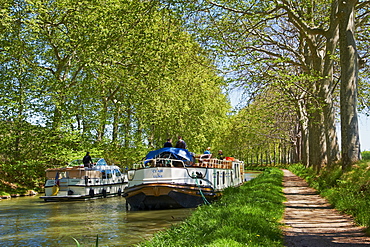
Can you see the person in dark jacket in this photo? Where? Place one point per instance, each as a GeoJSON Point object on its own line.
{"type": "Point", "coordinates": [220, 155]}
{"type": "Point", "coordinates": [87, 160]}
{"type": "Point", "coordinates": [180, 143]}
{"type": "Point", "coordinates": [168, 143]}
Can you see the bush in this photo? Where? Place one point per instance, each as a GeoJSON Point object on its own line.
{"type": "Point", "coordinates": [365, 155]}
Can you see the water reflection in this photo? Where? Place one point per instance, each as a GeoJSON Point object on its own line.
{"type": "Point", "coordinates": [29, 221]}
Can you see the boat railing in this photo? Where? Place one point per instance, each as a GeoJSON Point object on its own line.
{"type": "Point", "coordinates": [213, 163]}
{"type": "Point", "coordinates": [199, 162]}
{"type": "Point", "coordinates": [164, 162]}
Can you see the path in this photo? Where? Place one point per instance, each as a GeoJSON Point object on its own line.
{"type": "Point", "coordinates": [312, 222]}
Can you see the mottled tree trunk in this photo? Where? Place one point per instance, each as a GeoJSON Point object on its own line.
{"type": "Point", "coordinates": [328, 87]}
{"type": "Point", "coordinates": [103, 116]}
{"type": "Point", "coordinates": [348, 89]}
{"type": "Point", "coordinates": [304, 132]}
{"type": "Point", "coordinates": [317, 148]}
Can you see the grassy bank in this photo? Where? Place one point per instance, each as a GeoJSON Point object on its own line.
{"type": "Point", "coordinates": [348, 191]}
{"type": "Point", "coordinates": [247, 215]}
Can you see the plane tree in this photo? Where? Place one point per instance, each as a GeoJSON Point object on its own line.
{"type": "Point", "coordinates": [289, 42]}
{"type": "Point", "coordinates": [117, 75]}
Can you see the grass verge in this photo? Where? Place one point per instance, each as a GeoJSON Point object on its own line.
{"type": "Point", "coordinates": [248, 215]}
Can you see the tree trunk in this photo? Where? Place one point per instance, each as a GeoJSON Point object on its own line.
{"type": "Point", "coordinates": [317, 142]}
{"type": "Point", "coordinates": [103, 116]}
{"type": "Point", "coordinates": [348, 89]}
{"type": "Point", "coordinates": [303, 121]}
{"type": "Point", "coordinates": [328, 87]}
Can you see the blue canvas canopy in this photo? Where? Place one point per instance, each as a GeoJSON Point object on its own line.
{"type": "Point", "coordinates": [177, 153]}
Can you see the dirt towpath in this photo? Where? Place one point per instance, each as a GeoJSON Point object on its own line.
{"type": "Point", "coordinates": [311, 221]}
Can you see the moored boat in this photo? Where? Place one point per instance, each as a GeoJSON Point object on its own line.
{"type": "Point", "coordinates": [76, 182]}
{"type": "Point", "coordinates": [175, 178]}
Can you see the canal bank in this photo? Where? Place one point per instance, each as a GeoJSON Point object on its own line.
{"type": "Point", "coordinates": [251, 215]}
{"type": "Point", "coordinates": [311, 221]}
{"type": "Point", "coordinates": [246, 215]}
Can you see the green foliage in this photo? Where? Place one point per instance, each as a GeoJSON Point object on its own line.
{"type": "Point", "coordinates": [365, 155]}
{"type": "Point", "coordinates": [77, 243]}
{"type": "Point", "coordinates": [260, 133]}
{"type": "Point", "coordinates": [249, 214]}
{"type": "Point", "coordinates": [107, 77]}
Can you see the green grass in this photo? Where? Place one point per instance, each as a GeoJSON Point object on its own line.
{"type": "Point", "coordinates": [348, 192]}
{"type": "Point", "coordinates": [247, 215]}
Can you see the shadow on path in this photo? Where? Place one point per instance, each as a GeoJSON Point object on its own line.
{"type": "Point", "coordinates": [312, 222]}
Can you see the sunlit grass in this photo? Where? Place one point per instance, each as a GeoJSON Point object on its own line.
{"type": "Point", "coordinates": [247, 215]}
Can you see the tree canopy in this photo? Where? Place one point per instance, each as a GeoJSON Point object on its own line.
{"type": "Point", "coordinates": [115, 78]}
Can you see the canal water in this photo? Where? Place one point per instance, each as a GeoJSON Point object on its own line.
{"type": "Point", "coordinates": [29, 221]}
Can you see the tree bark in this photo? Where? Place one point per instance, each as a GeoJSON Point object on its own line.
{"type": "Point", "coordinates": [350, 141]}
{"type": "Point", "coordinates": [328, 87]}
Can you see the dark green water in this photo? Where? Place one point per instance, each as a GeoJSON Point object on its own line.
{"type": "Point", "coordinates": [29, 221]}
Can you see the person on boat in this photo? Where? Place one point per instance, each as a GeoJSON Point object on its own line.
{"type": "Point", "coordinates": [87, 160]}
{"type": "Point", "coordinates": [208, 151]}
{"type": "Point", "coordinates": [220, 155]}
{"type": "Point", "coordinates": [180, 143]}
{"type": "Point", "coordinates": [168, 143]}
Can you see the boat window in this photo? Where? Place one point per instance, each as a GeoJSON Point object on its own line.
{"type": "Point", "coordinates": [236, 170]}
{"type": "Point", "coordinates": [177, 163]}
{"type": "Point", "coordinates": [218, 178]}
{"type": "Point", "coordinates": [101, 162]}
{"type": "Point", "coordinates": [223, 177]}
{"type": "Point", "coordinates": [117, 172]}
{"type": "Point", "coordinates": [231, 176]}
{"type": "Point", "coordinates": [108, 173]}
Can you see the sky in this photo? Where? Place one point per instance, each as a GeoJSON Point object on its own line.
{"type": "Point", "coordinates": [363, 122]}
{"type": "Point", "coordinates": [364, 127]}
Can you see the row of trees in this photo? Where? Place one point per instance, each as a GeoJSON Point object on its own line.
{"type": "Point", "coordinates": [110, 77]}
{"type": "Point", "coordinates": [118, 77]}
{"type": "Point", "coordinates": [309, 53]}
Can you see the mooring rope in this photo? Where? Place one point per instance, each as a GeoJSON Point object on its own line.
{"type": "Point", "coordinates": [201, 192]}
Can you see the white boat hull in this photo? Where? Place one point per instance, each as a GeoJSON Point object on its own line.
{"type": "Point", "coordinates": [181, 187]}
{"type": "Point", "coordinates": [80, 183]}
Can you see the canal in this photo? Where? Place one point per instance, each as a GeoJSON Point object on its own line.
{"type": "Point", "coordinates": [29, 221]}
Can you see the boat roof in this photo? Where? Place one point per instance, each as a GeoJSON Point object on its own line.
{"type": "Point", "coordinates": [173, 153]}
{"type": "Point", "coordinates": [100, 164]}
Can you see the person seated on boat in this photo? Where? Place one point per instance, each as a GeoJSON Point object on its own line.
{"type": "Point", "coordinates": [180, 143]}
{"type": "Point", "coordinates": [208, 151]}
{"type": "Point", "coordinates": [205, 158]}
{"type": "Point", "coordinates": [87, 161]}
{"type": "Point", "coordinates": [168, 143]}
{"type": "Point", "coordinates": [220, 155]}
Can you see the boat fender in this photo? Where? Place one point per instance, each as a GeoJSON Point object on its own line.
{"type": "Point", "coordinates": [104, 193]}
{"type": "Point", "coordinates": [55, 190]}
{"type": "Point", "coordinates": [91, 192]}
{"type": "Point", "coordinates": [119, 192]}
